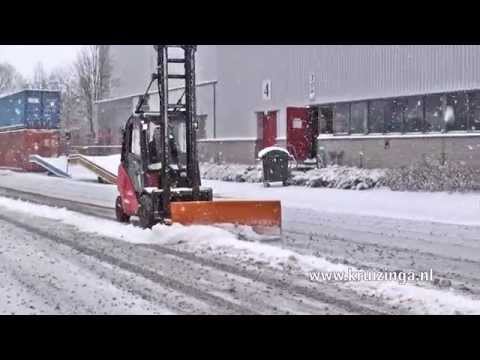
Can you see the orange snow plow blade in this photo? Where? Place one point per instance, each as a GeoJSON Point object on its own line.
{"type": "Point", "coordinates": [265, 217]}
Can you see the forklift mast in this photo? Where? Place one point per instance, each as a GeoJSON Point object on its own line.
{"type": "Point", "coordinates": [168, 110]}
{"type": "Point", "coordinates": [173, 193]}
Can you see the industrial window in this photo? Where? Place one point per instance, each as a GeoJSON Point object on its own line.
{"type": "Point", "coordinates": [413, 115]}
{"type": "Point", "coordinates": [182, 137]}
{"type": "Point", "coordinates": [474, 106]}
{"type": "Point", "coordinates": [376, 116]}
{"type": "Point", "coordinates": [358, 118]}
{"type": "Point", "coordinates": [394, 116]}
{"type": "Point", "coordinates": [342, 118]}
{"type": "Point", "coordinates": [325, 120]}
{"type": "Point", "coordinates": [459, 104]}
{"type": "Point", "coordinates": [136, 148]}
{"type": "Point", "coordinates": [456, 111]}
{"type": "Point", "coordinates": [434, 113]}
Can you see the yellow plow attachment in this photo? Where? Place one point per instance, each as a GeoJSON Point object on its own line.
{"type": "Point", "coordinates": [265, 217]}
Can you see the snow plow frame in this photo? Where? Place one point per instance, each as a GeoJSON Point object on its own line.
{"type": "Point", "coordinates": [262, 216]}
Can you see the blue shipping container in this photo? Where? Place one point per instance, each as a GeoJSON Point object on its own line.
{"type": "Point", "coordinates": [34, 109]}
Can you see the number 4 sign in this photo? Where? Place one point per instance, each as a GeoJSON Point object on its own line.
{"type": "Point", "coordinates": [267, 90]}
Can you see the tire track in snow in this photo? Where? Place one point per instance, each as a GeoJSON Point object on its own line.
{"type": "Point", "coordinates": [280, 291]}
{"type": "Point", "coordinates": [133, 268]}
{"type": "Point", "coordinates": [348, 300]}
{"type": "Point", "coordinates": [329, 295]}
{"type": "Point", "coordinates": [43, 277]}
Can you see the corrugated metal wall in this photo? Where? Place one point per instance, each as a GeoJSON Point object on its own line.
{"type": "Point", "coordinates": [133, 66]}
{"type": "Point", "coordinates": [342, 73]}
{"type": "Point", "coordinates": [31, 108]}
{"type": "Point", "coordinates": [111, 116]}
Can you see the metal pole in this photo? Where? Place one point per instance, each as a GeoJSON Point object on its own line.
{"type": "Point", "coordinates": [162, 77]}
{"type": "Point", "coordinates": [215, 110]}
{"type": "Point", "coordinates": [191, 113]}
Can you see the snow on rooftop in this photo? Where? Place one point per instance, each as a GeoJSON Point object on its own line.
{"type": "Point", "coordinates": [23, 90]}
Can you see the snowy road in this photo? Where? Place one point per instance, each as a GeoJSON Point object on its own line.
{"type": "Point", "coordinates": [338, 228]}
{"type": "Point", "coordinates": [51, 268]}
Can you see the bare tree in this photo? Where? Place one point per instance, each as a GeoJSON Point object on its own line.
{"type": "Point", "coordinates": [64, 80]}
{"type": "Point", "coordinates": [10, 79]}
{"type": "Point", "coordinates": [94, 74]}
{"type": "Point", "coordinates": [40, 78]}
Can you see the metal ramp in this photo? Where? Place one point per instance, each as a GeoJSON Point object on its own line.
{"type": "Point", "coordinates": [48, 166]}
{"type": "Point", "coordinates": [101, 172]}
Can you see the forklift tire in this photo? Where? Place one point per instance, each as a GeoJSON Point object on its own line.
{"type": "Point", "coordinates": [120, 214]}
{"type": "Point", "coordinates": [145, 212]}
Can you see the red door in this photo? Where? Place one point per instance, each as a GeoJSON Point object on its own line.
{"type": "Point", "coordinates": [267, 129]}
{"type": "Point", "coordinates": [299, 133]}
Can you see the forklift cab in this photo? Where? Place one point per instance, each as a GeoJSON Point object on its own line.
{"type": "Point", "coordinates": [155, 171]}
{"type": "Point", "coordinates": [142, 156]}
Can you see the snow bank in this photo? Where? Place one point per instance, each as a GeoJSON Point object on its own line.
{"type": "Point", "coordinates": [232, 172]}
{"type": "Point", "coordinates": [431, 175]}
{"type": "Point", "coordinates": [338, 177]}
{"type": "Point", "coordinates": [411, 297]}
{"type": "Point", "coordinates": [428, 175]}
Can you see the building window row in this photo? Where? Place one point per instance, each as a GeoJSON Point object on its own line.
{"type": "Point", "coordinates": [412, 114]}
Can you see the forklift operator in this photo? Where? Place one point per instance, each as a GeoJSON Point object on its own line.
{"type": "Point", "coordinates": [155, 157]}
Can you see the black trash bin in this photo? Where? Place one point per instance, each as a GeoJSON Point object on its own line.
{"type": "Point", "coordinates": [275, 166]}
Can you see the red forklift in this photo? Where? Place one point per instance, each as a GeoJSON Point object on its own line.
{"type": "Point", "coordinates": [159, 178]}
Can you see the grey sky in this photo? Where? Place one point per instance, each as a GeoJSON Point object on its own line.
{"type": "Point", "coordinates": [25, 57]}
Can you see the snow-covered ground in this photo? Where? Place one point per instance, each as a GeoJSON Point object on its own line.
{"type": "Point", "coordinates": [194, 239]}
{"type": "Point", "coordinates": [338, 177]}
{"type": "Point", "coordinates": [324, 230]}
{"type": "Point", "coordinates": [50, 266]}
{"type": "Point", "coordinates": [38, 276]}
{"type": "Point", "coordinates": [83, 191]}
{"type": "Point", "coordinates": [452, 208]}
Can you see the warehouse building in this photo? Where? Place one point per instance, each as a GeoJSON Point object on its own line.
{"type": "Point", "coordinates": [367, 106]}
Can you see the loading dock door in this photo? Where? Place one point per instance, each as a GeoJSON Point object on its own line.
{"type": "Point", "coordinates": [267, 129]}
{"type": "Point", "coordinates": [299, 133]}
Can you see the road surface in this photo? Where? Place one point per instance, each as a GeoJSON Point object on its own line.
{"type": "Point", "coordinates": [178, 277]}
{"type": "Point", "coordinates": [51, 268]}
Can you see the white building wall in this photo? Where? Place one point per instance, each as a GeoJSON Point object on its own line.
{"type": "Point", "coordinates": [133, 66]}
{"type": "Point", "coordinates": [342, 73]}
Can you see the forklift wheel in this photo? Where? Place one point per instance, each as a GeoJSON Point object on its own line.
{"type": "Point", "coordinates": [145, 212]}
{"type": "Point", "coordinates": [121, 216]}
